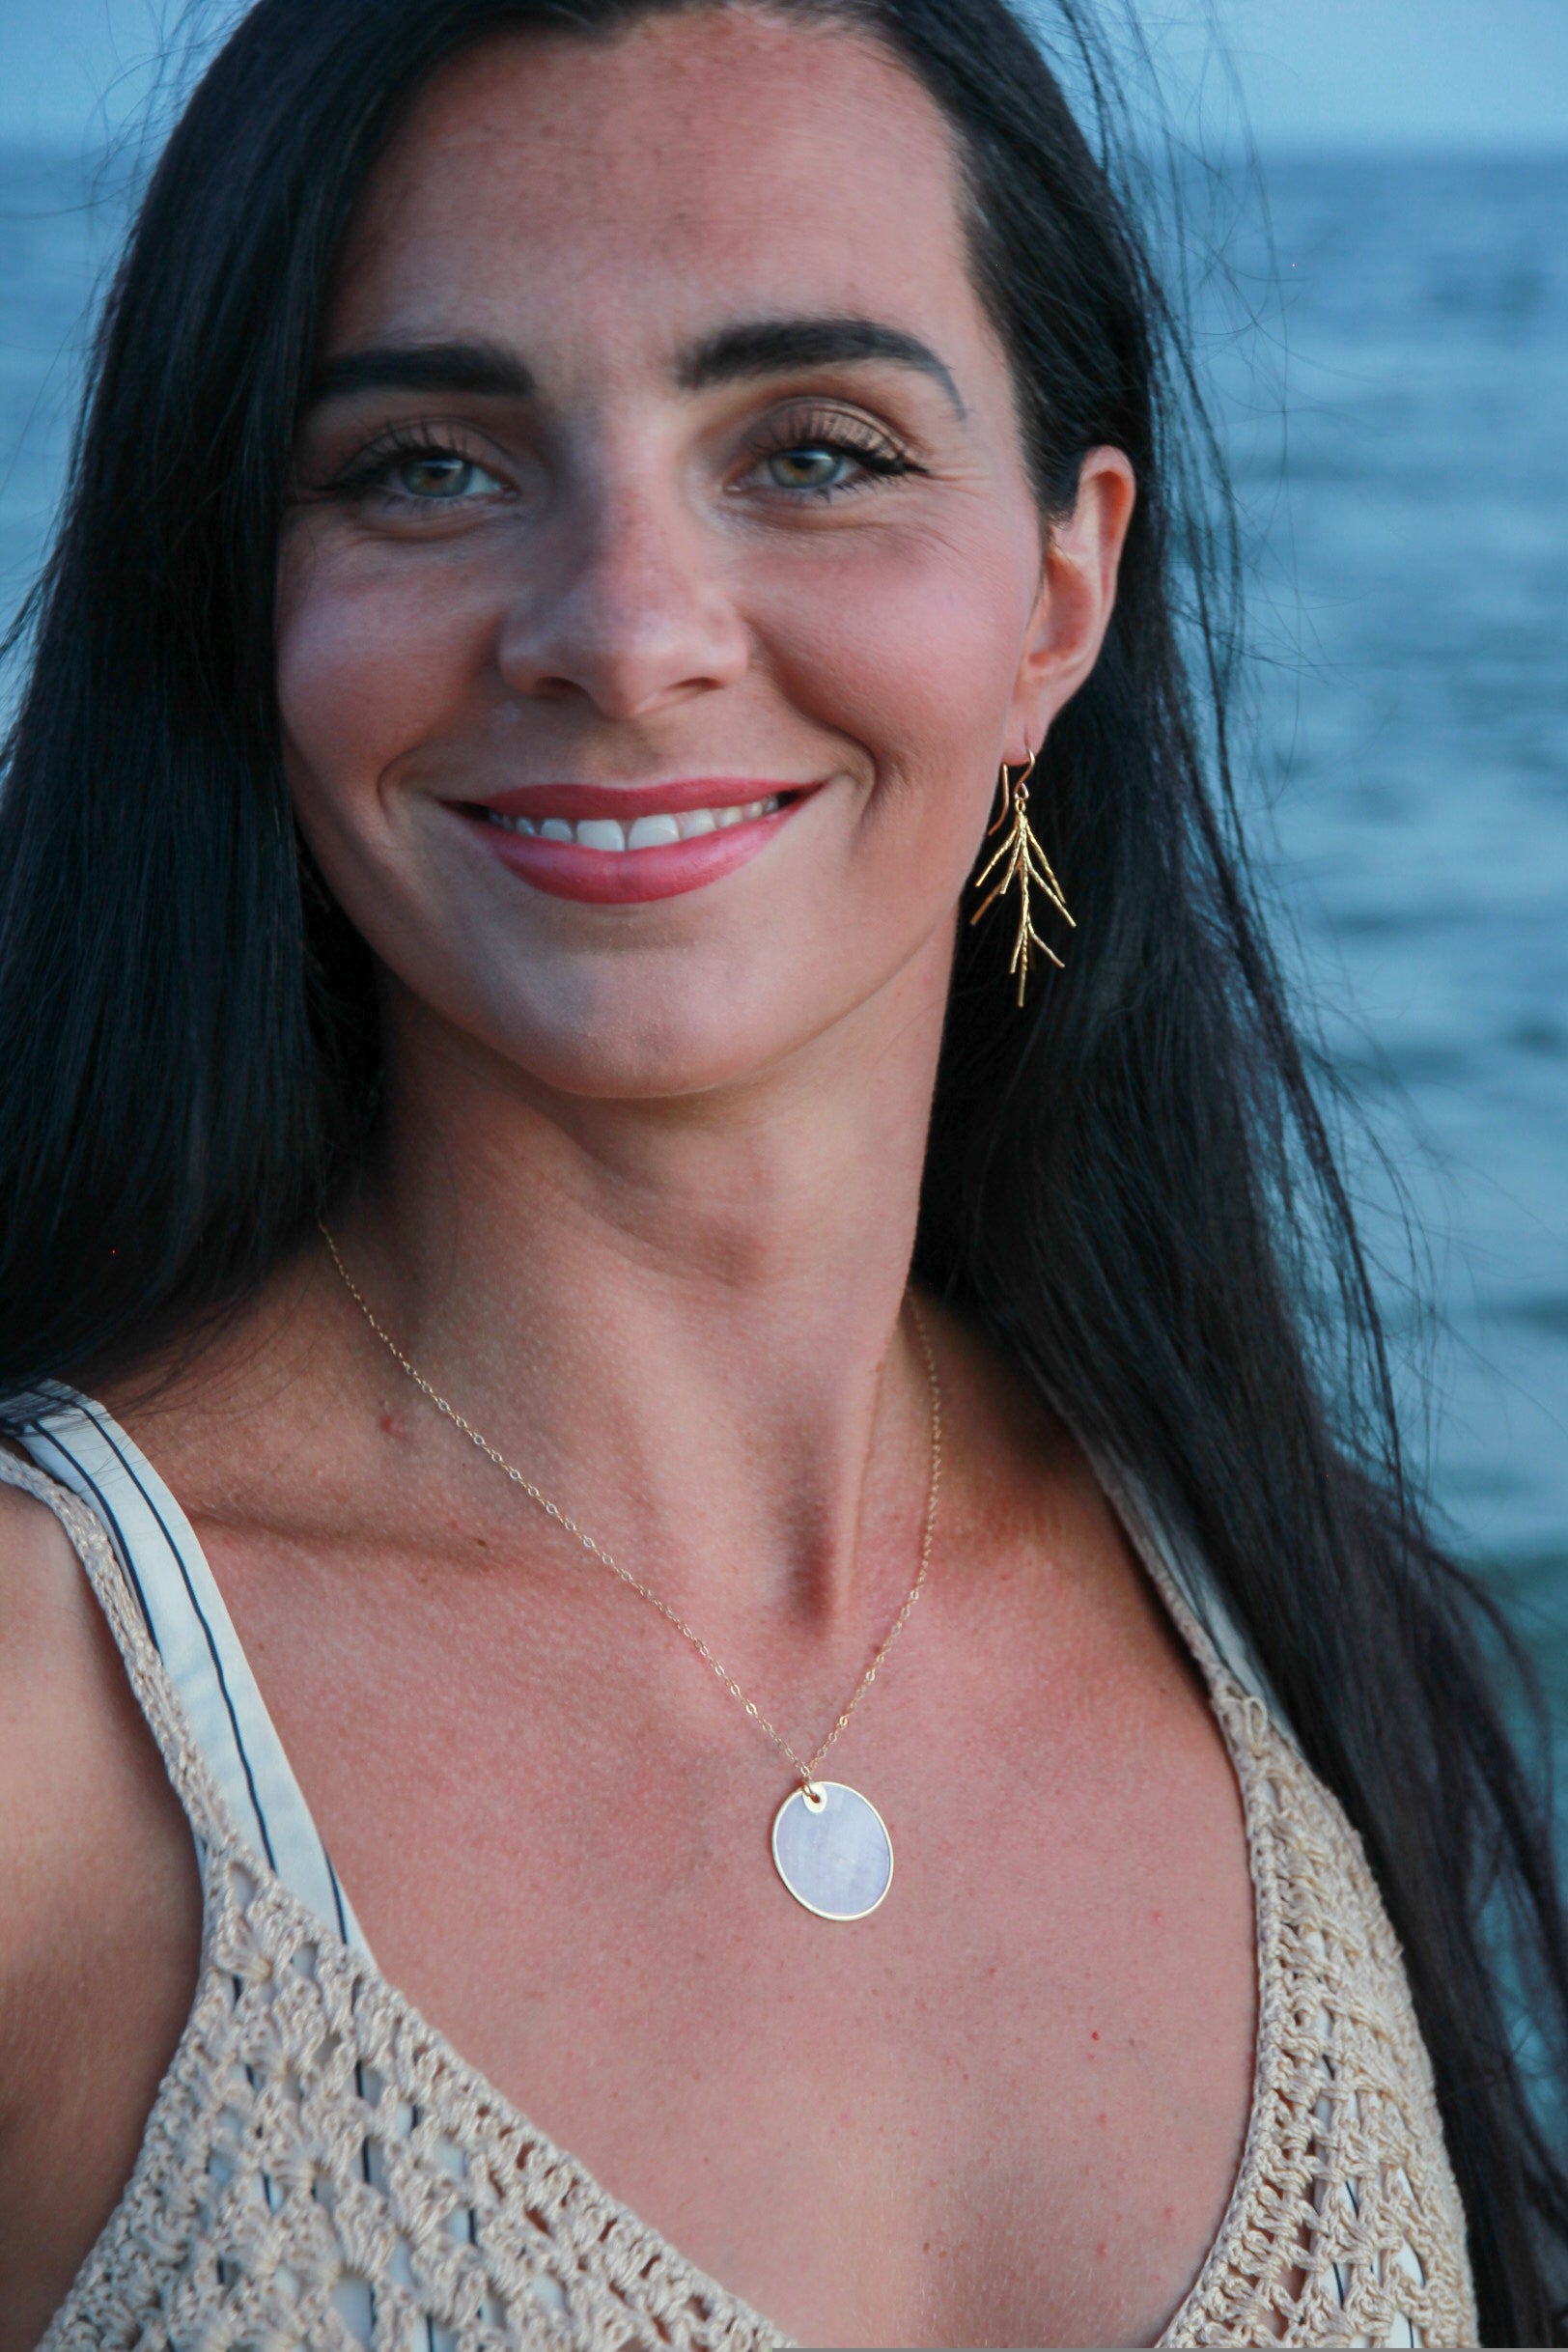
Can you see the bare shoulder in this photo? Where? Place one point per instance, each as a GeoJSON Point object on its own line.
{"type": "Point", "coordinates": [1024, 1479]}
{"type": "Point", "coordinates": [100, 1917]}
{"type": "Point", "coordinates": [48, 1644]}
{"type": "Point", "coordinates": [1047, 1548]}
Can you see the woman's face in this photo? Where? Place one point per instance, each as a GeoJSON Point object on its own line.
{"type": "Point", "coordinates": [664, 485]}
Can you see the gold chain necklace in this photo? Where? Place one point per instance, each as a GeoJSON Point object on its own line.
{"type": "Point", "coordinates": [830, 1845]}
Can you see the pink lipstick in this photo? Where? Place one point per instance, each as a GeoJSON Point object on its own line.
{"type": "Point", "coordinates": [622, 845]}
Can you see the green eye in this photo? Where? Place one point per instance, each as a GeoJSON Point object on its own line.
{"type": "Point", "coordinates": [438, 477]}
{"type": "Point", "coordinates": [812, 466]}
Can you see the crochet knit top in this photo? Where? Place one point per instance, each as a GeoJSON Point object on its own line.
{"type": "Point", "coordinates": [320, 2170]}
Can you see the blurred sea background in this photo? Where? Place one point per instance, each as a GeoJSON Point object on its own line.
{"type": "Point", "coordinates": [1405, 519]}
{"type": "Point", "coordinates": [1396, 415]}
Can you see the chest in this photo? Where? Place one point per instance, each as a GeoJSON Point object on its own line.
{"type": "Point", "coordinates": [1009, 2105]}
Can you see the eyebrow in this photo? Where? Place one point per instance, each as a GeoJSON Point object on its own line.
{"type": "Point", "coordinates": [768, 346]}
{"type": "Point", "coordinates": [758, 347]}
{"type": "Point", "coordinates": [487, 369]}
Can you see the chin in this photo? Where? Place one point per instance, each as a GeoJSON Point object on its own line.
{"type": "Point", "coordinates": [636, 1054]}
{"type": "Point", "coordinates": [650, 1021]}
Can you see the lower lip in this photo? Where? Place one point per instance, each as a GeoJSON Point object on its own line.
{"type": "Point", "coordinates": [629, 877]}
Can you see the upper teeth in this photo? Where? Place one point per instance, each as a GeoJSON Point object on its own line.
{"type": "Point", "coordinates": [643, 832]}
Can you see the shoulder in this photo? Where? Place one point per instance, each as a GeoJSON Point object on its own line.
{"type": "Point", "coordinates": [99, 1911]}
{"type": "Point", "coordinates": [1022, 1488]}
{"type": "Point", "coordinates": [85, 1806]}
{"type": "Point", "coordinates": [49, 1647]}
{"type": "Point", "coordinates": [78, 1768]}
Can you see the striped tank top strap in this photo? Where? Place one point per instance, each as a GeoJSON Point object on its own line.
{"type": "Point", "coordinates": [81, 1447]}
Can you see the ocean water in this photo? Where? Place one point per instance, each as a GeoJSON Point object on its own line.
{"type": "Point", "coordinates": [1411, 600]}
{"type": "Point", "coordinates": [1398, 424]}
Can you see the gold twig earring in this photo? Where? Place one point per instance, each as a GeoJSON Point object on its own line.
{"type": "Point", "coordinates": [1023, 860]}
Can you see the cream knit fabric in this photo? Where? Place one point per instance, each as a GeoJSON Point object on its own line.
{"type": "Point", "coordinates": [321, 2170]}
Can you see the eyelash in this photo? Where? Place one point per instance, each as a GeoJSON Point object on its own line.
{"type": "Point", "coordinates": [369, 469]}
{"type": "Point", "coordinates": [824, 429]}
{"type": "Point", "coordinates": [842, 437]}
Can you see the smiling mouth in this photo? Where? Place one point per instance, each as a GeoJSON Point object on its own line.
{"type": "Point", "coordinates": [656, 830]}
{"type": "Point", "coordinates": [622, 846]}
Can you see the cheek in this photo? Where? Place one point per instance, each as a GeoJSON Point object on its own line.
{"type": "Point", "coordinates": [374, 658]}
{"type": "Point", "coordinates": [914, 650]}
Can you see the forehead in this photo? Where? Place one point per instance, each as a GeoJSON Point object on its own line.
{"type": "Point", "coordinates": [724, 161]}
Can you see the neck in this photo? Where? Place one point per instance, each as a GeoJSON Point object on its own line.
{"type": "Point", "coordinates": [680, 1319]}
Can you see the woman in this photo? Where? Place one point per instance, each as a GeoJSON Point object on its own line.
{"type": "Point", "coordinates": [584, 520]}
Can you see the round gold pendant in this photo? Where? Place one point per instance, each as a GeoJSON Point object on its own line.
{"type": "Point", "coordinates": [834, 1856]}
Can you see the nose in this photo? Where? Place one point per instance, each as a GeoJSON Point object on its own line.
{"type": "Point", "coordinates": [627, 606]}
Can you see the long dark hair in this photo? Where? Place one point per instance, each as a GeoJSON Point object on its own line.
{"type": "Point", "coordinates": [1131, 1188]}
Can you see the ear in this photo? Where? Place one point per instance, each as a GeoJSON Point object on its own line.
{"type": "Point", "coordinates": [1077, 591]}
